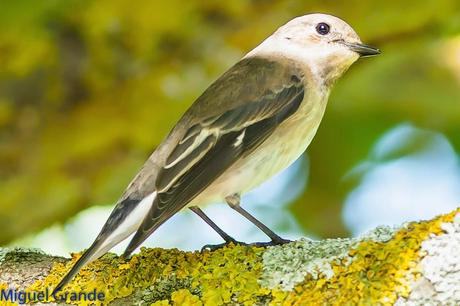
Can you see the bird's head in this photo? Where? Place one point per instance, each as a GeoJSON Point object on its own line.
{"type": "Point", "coordinates": [326, 43]}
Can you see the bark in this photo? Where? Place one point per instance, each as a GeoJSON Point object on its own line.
{"type": "Point", "coordinates": [415, 264]}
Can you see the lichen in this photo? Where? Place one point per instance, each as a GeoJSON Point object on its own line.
{"type": "Point", "coordinates": [11, 253]}
{"type": "Point", "coordinates": [218, 277]}
{"type": "Point", "coordinates": [378, 274]}
{"type": "Point", "coordinates": [377, 268]}
{"type": "Point", "coordinates": [439, 282]}
{"type": "Point", "coordinates": [287, 265]}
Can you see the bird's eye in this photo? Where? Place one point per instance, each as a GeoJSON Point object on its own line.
{"type": "Point", "coordinates": [323, 28]}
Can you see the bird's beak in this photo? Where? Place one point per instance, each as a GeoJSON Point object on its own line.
{"type": "Point", "coordinates": [362, 49]}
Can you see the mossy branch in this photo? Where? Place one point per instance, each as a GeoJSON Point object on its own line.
{"type": "Point", "coordinates": [417, 263]}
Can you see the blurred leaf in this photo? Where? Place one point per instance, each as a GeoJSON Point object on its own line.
{"type": "Point", "coordinates": [89, 88]}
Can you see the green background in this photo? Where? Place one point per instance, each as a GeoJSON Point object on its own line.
{"type": "Point", "coordinates": [89, 88]}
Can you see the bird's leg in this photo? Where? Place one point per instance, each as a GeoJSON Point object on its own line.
{"type": "Point", "coordinates": [211, 223]}
{"type": "Point", "coordinates": [234, 202]}
{"type": "Point", "coordinates": [228, 239]}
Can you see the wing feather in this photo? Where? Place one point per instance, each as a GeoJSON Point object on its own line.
{"type": "Point", "coordinates": [214, 143]}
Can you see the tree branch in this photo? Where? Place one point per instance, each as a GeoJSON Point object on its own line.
{"type": "Point", "coordinates": [414, 264]}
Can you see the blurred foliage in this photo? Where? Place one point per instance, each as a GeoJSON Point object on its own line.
{"type": "Point", "coordinates": [89, 88]}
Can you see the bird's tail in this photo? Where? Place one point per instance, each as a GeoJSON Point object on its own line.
{"type": "Point", "coordinates": [88, 256]}
{"type": "Point", "coordinates": [122, 222]}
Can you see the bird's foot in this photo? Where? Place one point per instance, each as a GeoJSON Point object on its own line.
{"type": "Point", "coordinates": [278, 241]}
{"type": "Point", "coordinates": [213, 247]}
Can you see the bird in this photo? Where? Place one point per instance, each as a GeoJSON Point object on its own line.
{"type": "Point", "coordinates": [255, 120]}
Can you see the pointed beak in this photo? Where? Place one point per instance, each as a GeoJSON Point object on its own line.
{"type": "Point", "coordinates": [362, 49]}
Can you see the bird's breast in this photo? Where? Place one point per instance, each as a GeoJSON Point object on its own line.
{"type": "Point", "coordinates": [289, 140]}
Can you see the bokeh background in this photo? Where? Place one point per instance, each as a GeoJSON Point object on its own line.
{"type": "Point", "coordinates": [89, 88]}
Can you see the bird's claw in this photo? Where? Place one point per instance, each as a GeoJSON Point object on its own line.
{"type": "Point", "coordinates": [279, 241]}
{"type": "Point", "coordinates": [213, 247]}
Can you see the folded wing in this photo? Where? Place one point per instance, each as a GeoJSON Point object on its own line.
{"type": "Point", "coordinates": [213, 143]}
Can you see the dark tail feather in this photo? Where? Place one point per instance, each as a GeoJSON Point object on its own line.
{"type": "Point", "coordinates": [154, 219]}
{"type": "Point", "coordinates": [84, 259]}
{"type": "Point", "coordinates": [103, 242]}
{"type": "Point", "coordinates": [136, 241]}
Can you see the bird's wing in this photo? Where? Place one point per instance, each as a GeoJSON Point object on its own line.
{"type": "Point", "coordinates": [215, 138]}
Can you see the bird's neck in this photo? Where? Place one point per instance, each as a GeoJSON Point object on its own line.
{"type": "Point", "coordinates": [322, 69]}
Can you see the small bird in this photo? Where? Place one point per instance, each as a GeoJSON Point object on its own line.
{"type": "Point", "coordinates": [251, 123]}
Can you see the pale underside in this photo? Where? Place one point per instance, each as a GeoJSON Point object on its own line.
{"type": "Point", "coordinates": [282, 148]}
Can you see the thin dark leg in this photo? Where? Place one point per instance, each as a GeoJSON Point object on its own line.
{"type": "Point", "coordinates": [211, 223]}
{"type": "Point", "coordinates": [234, 202]}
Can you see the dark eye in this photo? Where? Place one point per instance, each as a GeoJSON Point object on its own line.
{"type": "Point", "coordinates": [323, 28]}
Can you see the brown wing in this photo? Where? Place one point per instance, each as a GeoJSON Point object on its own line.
{"type": "Point", "coordinates": [213, 143]}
